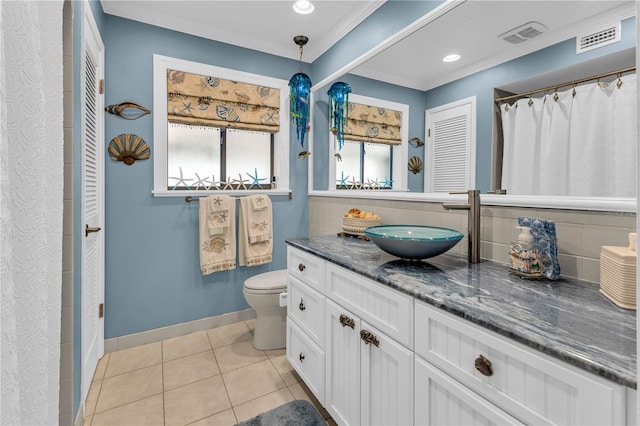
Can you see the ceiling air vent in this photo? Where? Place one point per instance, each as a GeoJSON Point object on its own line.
{"type": "Point", "coordinates": [523, 32]}
{"type": "Point", "coordinates": [593, 40]}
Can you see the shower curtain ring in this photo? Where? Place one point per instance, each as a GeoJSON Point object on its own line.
{"type": "Point", "coordinates": [530, 102]}
{"type": "Point", "coordinates": [619, 83]}
{"type": "Point", "coordinates": [574, 91]}
{"type": "Point", "coordinates": [555, 95]}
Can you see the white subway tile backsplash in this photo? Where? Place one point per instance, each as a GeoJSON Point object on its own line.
{"type": "Point", "coordinates": [581, 234]}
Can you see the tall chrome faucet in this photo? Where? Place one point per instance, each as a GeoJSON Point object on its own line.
{"type": "Point", "coordinates": [473, 205]}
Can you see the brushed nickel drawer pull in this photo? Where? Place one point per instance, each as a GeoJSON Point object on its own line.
{"type": "Point", "coordinates": [483, 365]}
{"type": "Point", "coordinates": [368, 337]}
{"type": "Point", "coordinates": [346, 321]}
{"type": "Point", "coordinates": [301, 267]}
{"type": "Point", "coordinates": [301, 305]}
{"type": "Point", "coordinates": [301, 357]}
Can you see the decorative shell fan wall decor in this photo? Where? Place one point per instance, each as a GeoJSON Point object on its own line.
{"type": "Point", "coordinates": [415, 165]}
{"type": "Point", "coordinates": [128, 147]}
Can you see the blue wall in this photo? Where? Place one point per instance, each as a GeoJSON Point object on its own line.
{"type": "Point", "coordinates": [375, 89]}
{"type": "Point", "coordinates": [482, 84]}
{"type": "Point", "coordinates": [153, 276]}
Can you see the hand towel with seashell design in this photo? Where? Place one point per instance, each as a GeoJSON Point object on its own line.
{"type": "Point", "coordinates": [217, 251]}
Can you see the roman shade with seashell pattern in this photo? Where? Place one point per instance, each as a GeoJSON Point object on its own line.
{"type": "Point", "coordinates": [373, 124]}
{"type": "Point", "coordinates": [201, 100]}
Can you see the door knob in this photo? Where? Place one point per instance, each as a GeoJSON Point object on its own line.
{"type": "Point", "coordinates": [88, 230]}
{"type": "Point", "coordinates": [301, 267]}
{"type": "Point", "coordinates": [483, 365]}
{"type": "Point", "coordinates": [301, 357]}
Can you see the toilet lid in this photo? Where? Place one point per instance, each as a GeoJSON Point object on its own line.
{"type": "Point", "coordinates": [268, 281]}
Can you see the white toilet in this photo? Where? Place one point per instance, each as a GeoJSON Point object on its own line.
{"type": "Point", "coordinates": [262, 293]}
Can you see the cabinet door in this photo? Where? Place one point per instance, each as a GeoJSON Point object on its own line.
{"type": "Point", "coordinates": [386, 379]}
{"type": "Point", "coordinates": [441, 400]}
{"type": "Point", "coordinates": [342, 352]}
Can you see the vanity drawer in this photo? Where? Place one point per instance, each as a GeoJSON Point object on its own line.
{"type": "Point", "coordinates": [306, 267]}
{"type": "Point", "coordinates": [306, 306]}
{"type": "Point", "coordinates": [385, 308]}
{"type": "Point", "coordinates": [530, 385]}
{"type": "Point", "coordinates": [307, 359]}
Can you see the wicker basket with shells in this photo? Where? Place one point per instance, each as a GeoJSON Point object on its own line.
{"type": "Point", "coordinates": [355, 221]}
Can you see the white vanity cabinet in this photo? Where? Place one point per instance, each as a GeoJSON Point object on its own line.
{"type": "Point", "coordinates": [529, 385]}
{"type": "Point", "coordinates": [374, 355]}
{"type": "Point", "coordinates": [369, 378]}
{"type": "Point", "coordinates": [305, 318]}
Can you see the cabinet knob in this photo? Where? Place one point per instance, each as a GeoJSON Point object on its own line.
{"type": "Point", "coordinates": [301, 357]}
{"type": "Point", "coordinates": [368, 337]}
{"type": "Point", "coordinates": [301, 267]}
{"type": "Point", "coordinates": [346, 321]}
{"type": "Point", "coordinates": [301, 305]}
{"type": "Point", "coordinates": [483, 365]}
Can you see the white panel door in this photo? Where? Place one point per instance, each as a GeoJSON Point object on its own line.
{"type": "Point", "coordinates": [386, 379]}
{"type": "Point", "coordinates": [441, 400]}
{"type": "Point", "coordinates": [342, 384]}
{"type": "Point", "coordinates": [92, 140]}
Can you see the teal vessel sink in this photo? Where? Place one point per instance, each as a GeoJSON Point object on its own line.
{"type": "Point", "coordinates": [413, 241]}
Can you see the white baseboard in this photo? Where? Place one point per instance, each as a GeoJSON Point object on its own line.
{"type": "Point", "coordinates": [158, 334]}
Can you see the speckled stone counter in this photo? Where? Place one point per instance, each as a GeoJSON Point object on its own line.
{"type": "Point", "coordinates": [567, 319]}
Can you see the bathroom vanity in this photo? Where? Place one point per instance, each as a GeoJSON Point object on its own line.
{"type": "Point", "coordinates": [380, 340]}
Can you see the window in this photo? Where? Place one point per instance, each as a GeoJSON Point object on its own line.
{"type": "Point", "coordinates": [369, 161]}
{"type": "Point", "coordinates": [450, 147]}
{"type": "Point", "coordinates": [202, 143]}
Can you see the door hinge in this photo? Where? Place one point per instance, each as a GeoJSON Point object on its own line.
{"type": "Point", "coordinates": [101, 86]}
{"type": "Point", "coordinates": [101, 310]}
{"type": "Point", "coordinates": [428, 133]}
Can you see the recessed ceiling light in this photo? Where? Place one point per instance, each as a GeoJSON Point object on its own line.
{"type": "Point", "coordinates": [451, 58]}
{"type": "Point", "coordinates": [303, 7]}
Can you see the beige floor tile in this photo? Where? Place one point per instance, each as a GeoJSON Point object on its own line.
{"type": "Point", "coordinates": [190, 344]}
{"type": "Point", "coordinates": [301, 391]}
{"type": "Point", "coordinates": [253, 381]}
{"type": "Point", "coordinates": [276, 352]}
{"type": "Point", "coordinates": [87, 421]}
{"type": "Point", "coordinates": [195, 401]}
{"type": "Point", "coordinates": [238, 355]}
{"type": "Point", "coordinates": [228, 334]}
{"type": "Point", "coordinates": [225, 418]}
{"type": "Point", "coordinates": [288, 374]}
{"type": "Point", "coordinates": [251, 324]}
{"type": "Point", "coordinates": [263, 404]}
{"type": "Point", "coordinates": [129, 387]}
{"type": "Point", "coordinates": [189, 369]}
{"type": "Point", "coordinates": [148, 411]}
{"type": "Point", "coordinates": [101, 368]}
{"type": "Point", "coordinates": [92, 398]}
{"type": "Point", "coordinates": [134, 358]}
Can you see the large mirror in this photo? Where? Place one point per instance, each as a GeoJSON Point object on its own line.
{"type": "Point", "coordinates": [505, 48]}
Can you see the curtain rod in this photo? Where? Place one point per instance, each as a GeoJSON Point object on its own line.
{"type": "Point", "coordinates": [569, 83]}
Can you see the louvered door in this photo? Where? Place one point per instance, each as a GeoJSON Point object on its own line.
{"type": "Point", "coordinates": [450, 149]}
{"type": "Point", "coordinates": [92, 142]}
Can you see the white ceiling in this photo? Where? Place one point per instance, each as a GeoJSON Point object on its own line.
{"type": "Point", "coordinates": [470, 29]}
{"type": "Point", "coordinates": [265, 25]}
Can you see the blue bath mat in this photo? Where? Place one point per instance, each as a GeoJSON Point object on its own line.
{"type": "Point", "coordinates": [294, 413]}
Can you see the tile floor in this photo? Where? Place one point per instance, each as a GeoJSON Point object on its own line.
{"type": "Point", "coordinates": [212, 377]}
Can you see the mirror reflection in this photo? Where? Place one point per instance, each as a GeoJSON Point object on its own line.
{"type": "Point", "coordinates": [491, 66]}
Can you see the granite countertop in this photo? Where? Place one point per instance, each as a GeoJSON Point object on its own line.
{"type": "Point", "coordinates": [567, 319]}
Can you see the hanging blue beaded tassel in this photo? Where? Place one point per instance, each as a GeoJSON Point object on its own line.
{"type": "Point", "coordinates": [338, 115]}
{"type": "Point", "coordinates": [299, 94]}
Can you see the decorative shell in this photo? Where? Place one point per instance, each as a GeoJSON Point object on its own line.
{"type": "Point", "coordinates": [128, 110]}
{"type": "Point", "coordinates": [128, 147]}
{"type": "Point", "coordinates": [415, 164]}
{"type": "Point", "coordinates": [416, 142]}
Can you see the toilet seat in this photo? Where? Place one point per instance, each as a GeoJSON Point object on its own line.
{"type": "Point", "coordinates": [267, 283]}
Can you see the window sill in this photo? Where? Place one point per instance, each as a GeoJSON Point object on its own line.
{"type": "Point", "coordinates": [232, 193]}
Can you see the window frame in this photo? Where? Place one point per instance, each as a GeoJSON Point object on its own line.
{"type": "Point", "coordinates": [400, 152]}
{"type": "Point", "coordinates": [280, 141]}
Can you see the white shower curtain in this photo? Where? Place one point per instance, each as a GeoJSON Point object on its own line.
{"type": "Point", "coordinates": [31, 201]}
{"type": "Point", "coordinates": [582, 145]}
